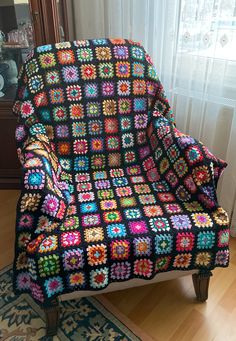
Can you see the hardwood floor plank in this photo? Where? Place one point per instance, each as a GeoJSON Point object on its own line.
{"type": "Point", "coordinates": [228, 300]}
{"type": "Point", "coordinates": [189, 326]}
{"type": "Point", "coordinates": [8, 200]}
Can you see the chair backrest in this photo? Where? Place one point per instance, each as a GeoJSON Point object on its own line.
{"type": "Point", "coordinates": [94, 98]}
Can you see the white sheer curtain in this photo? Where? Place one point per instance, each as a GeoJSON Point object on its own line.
{"type": "Point", "coordinates": [193, 45]}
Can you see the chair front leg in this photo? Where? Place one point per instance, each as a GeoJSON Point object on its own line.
{"type": "Point", "coordinates": [52, 318]}
{"type": "Point", "coordinates": [201, 284]}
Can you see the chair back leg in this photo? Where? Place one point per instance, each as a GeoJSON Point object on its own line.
{"type": "Point", "coordinates": [201, 284]}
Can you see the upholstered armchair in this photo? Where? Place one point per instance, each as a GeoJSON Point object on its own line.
{"type": "Point", "coordinates": [113, 194]}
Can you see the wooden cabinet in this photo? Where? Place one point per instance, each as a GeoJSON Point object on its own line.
{"type": "Point", "coordinates": [23, 25]}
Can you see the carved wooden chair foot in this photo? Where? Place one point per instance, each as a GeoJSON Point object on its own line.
{"type": "Point", "coordinates": [201, 284]}
{"type": "Point", "coordinates": [52, 318]}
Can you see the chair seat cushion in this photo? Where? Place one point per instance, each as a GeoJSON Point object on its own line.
{"type": "Point", "coordinates": [129, 226]}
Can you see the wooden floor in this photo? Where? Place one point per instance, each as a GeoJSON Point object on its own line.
{"type": "Point", "coordinates": [166, 311]}
{"type": "Point", "coordinates": [8, 201]}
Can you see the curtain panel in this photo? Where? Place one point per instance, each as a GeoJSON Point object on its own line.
{"type": "Point", "coordinates": [193, 46]}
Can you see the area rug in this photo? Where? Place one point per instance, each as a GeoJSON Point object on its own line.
{"type": "Point", "coordinates": [89, 319]}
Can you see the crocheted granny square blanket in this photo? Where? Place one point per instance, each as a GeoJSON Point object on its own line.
{"type": "Point", "coordinates": [111, 190]}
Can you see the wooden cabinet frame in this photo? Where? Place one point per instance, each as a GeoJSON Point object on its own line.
{"type": "Point", "coordinates": [45, 20]}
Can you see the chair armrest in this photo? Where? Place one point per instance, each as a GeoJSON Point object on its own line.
{"type": "Point", "coordinates": [179, 155]}
{"type": "Point", "coordinates": [44, 193]}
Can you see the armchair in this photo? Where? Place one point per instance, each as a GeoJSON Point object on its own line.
{"type": "Point", "coordinates": [113, 195]}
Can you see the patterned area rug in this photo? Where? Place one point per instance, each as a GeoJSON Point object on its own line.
{"type": "Point", "coordinates": [83, 319]}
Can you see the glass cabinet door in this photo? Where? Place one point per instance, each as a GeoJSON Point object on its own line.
{"type": "Point", "coordinates": [16, 40]}
{"type": "Point", "coordinates": [61, 16]}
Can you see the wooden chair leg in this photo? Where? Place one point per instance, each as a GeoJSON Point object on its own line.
{"type": "Point", "coordinates": [52, 318]}
{"type": "Point", "coordinates": [201, 284]}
